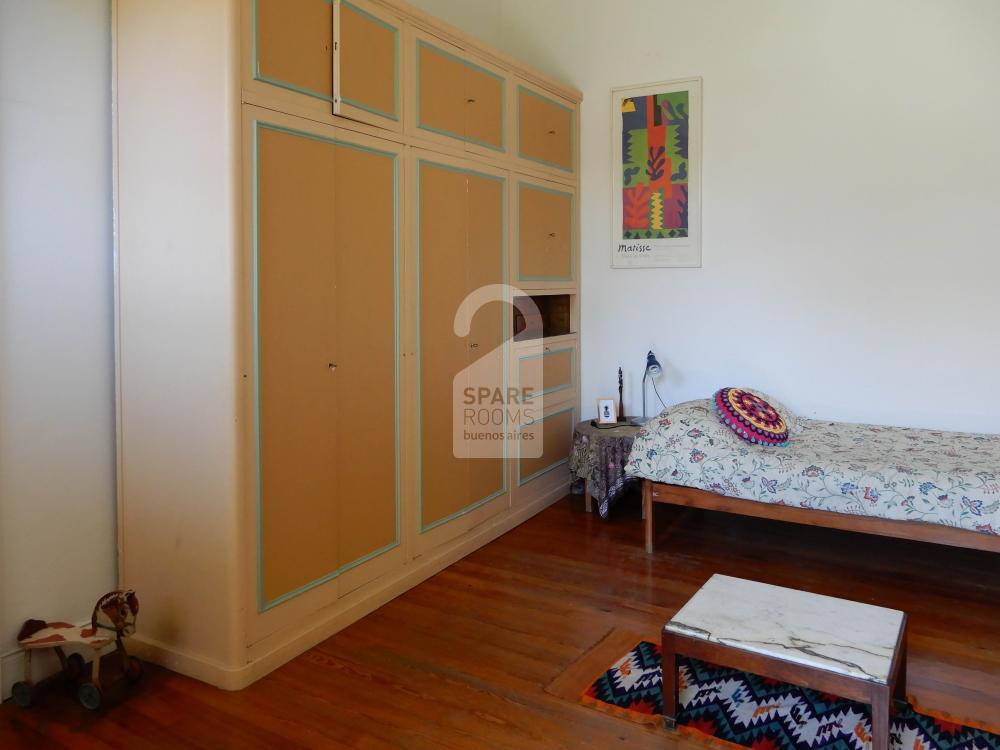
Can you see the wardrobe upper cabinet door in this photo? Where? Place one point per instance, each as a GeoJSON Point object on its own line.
{"type": "Point", "coordinates": [545, 237]}
{"type": "Point", "coordinates": [457, 97]}
{"type": "Point", "coordinates": [367, 64]}
{"type": "Point", "coordinates": [294, 45]}
{"type": "Point", "coordinates": [485, 112]}
{"type": "Point", "coordinates": [545, 129]}
{"type": "Point", "coordinates": [440, 90]}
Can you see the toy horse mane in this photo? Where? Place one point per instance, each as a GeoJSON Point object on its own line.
{"type": "Point", "coordinates": [114, 605]}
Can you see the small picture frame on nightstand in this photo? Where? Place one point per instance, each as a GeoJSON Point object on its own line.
{"type": "Point", "coordinates": [607, 413]}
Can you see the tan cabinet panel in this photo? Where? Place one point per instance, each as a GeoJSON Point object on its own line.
{"type": "Point", "coordinates": [461, 248]}
{"type": "Point", "coordinates": [294, 45]}
{"type": "Point", "coordinates": [443, 233]}
{"type": "Point", "coordinates": [458, 98]}
{"type": "Point", "coordinates": [364, 297]}
{"type": "Point", "coordinates": [485, 113]}
{"type": "Point", "coordinates": [544, 130]}
{"type": "Point", "coordinates": [555, 431]}
{"type": "Point", "coordinates": [440, 95]}
{"type": "Point", "coordinates": [485, 266]}
{"type": "Point", "coordinates": [297, 398]}
{"type": "Point", "coordinates": [545, 237]}
{"type": "Point", "coordinates": [367, 63]}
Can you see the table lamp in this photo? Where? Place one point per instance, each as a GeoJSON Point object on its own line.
{"type": "Point", "coordinates": [653, 368]}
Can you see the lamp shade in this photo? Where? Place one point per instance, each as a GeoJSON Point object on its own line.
{"type": "Point", "coordinates": [653, 366]}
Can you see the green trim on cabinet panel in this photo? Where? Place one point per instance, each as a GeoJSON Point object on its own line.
{"type": "Point", "coordinates": [259, 125]}
{"type": "Point", "coordinates": [572, 127]}
{"type": "Point", "coordinates": [503, 329]}
{"type": "Point", "coordinates": [502, 148]}
{"type": "Point", "coordinates": [523, 481]}
{"type": "Point", "coordinates": [394, 115]}
{"type": "Point", "coordinates": [572, 226]}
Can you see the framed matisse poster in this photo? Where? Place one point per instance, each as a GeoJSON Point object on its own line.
{"type": "Point", "coordinates": [656, 175]}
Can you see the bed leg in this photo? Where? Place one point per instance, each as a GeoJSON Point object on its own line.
{"type": "Point", "coordinates": [647, 511]}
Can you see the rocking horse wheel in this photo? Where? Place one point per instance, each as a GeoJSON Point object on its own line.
{"type": "Point", "coordinates": [89, 696]}
{"type": "Point", "coordinates": [75, 666]}
{"type": "Point", "coordinates": [133, 669]}
{"type": "Point", "coordinates": [23, 694]}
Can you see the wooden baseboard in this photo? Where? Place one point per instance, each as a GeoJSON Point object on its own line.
{"type": "Point", "coordinates": [277, 648]}
{"type": "Point", "coordinates": [915, 530]}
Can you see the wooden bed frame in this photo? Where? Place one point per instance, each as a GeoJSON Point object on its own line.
{"type": "Point", "coordinates": [656, 492]}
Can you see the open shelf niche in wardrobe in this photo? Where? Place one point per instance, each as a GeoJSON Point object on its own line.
{"type": "Point", "coordinates": [303, 200]}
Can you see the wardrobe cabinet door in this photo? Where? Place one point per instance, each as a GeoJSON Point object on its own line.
{"type": "Point", "coordinates": [440, 91]}
{"type": "Point", "coordinates": [486, 338]}
{"type": "Point", "coordinates": [442, 235]}
{"type": "Point", "coordinates": [294, 45]}
{"type": "Point", "coordinates": [544, 130]}
{"type": "Point", "coordinates": [364, 298]}
{"type": "Point", "coordinates": [485, 93]}
{"type": "Point", "coordinates": [296, 343]}
{"type": "Point", "coordinates": [544, 234]}
{"type": "Point", "coordinates": [367, 66]}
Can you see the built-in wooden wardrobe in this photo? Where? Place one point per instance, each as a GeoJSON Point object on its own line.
{"type": "Point", "coordinates": [306, 193]}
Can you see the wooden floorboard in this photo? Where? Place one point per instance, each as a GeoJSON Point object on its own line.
{"type": "Point", "coordinates": [463, 660]}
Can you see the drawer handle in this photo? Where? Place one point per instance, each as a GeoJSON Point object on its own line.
{"type": "Point", "coordinates": [333, 368]}
{"type": "Point", "coordinates": [473, 346]}
{"type": "Point", "coordinates": [552, 234]}
{"type": "Point", "coordinates": [470, 101]}
{"type": "Point", "coordinates": [552, 132]}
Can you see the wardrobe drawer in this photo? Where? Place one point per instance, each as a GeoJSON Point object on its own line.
{"type": "Point", "coordinates": [293, 46]}
{"type": "Point", "coordinates": [545, 126]}
{"type": "Point", "coordinates": [548, 372]}
{"type": "Point", "coordinates": [545, 218]}
{"type": "Point", "coordinates": [457, 97]}
{"type": "Point", "coordinates": [367, 64]}
{"type": "Point", "coordinates": [554, 432]}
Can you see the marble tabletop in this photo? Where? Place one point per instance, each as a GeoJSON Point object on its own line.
{"type": "Point", "coordinates": [851, 638]}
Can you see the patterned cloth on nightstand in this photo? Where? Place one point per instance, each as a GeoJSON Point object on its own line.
{"type": "Point", "coordinates": [599, 457]}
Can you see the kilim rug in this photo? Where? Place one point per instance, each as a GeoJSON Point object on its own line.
{"type": "Point", "coordinates": [729, 707]}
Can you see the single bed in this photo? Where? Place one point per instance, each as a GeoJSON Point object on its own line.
{"type": "Point", "coordinates": [930, 485]}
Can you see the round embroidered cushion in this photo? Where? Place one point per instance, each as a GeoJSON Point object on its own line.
{"type": "Point", "coordinates": [751, 417]}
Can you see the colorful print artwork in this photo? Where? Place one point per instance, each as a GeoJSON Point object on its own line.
{"type": "Point", "coordinates": [655, 135]}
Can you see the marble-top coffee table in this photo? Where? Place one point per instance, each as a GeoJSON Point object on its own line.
{"type": "Point", "coordinates": [854, 650]}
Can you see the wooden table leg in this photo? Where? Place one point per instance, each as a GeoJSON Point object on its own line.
{"type": "Point", "coordinates": [588, 499]}
{"type": "Point", "coordinates": [669, 669]}
{"type": "Point", "coordinates": [881, 700]}
{"type": "Point", "coordinates": [647, 512]}
{"type": "Point", "coordinates": [899, 692]}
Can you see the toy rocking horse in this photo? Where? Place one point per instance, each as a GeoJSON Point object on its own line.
{"type": "Point", "coordinates": [112, 621]}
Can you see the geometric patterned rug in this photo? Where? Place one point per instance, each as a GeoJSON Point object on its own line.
{"type": "Point", "coordinates": [733, 708]}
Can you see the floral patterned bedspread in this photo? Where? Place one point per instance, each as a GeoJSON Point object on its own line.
{"type": "Point", "coordinates": [949, 478]}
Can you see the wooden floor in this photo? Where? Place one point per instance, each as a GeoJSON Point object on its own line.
{"type": "Point", "coordinates": [462, 660]}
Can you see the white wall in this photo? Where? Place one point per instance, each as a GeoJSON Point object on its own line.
{"type": "Point", "coordinates": [57, 508]}
{"type": "Point", "coordinates": [851, 162]}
